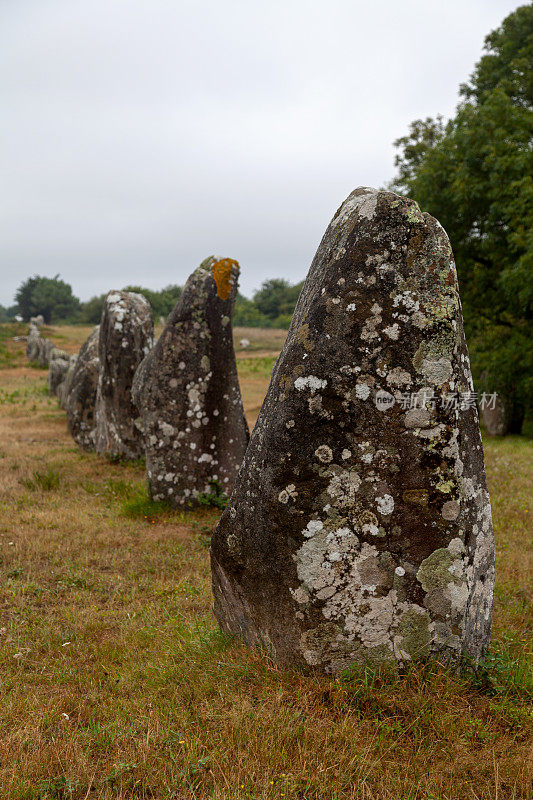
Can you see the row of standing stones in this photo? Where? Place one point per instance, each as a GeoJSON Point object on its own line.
{"type": "Point", "coordinates": [357, 531]}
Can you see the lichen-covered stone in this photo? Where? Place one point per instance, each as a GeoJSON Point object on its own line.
{"type": "Point", "coordinates": [188, 395]}
{"type": "Point", "coordinates": [46, 348]}
{"type": "Point", "coordinates": [38, 349]}
{"type": "Point", "coordinates": [126, 337]}
{"type": "Point", "coordinates": [33, 343]}
{"type": "Point", "coordinates": [65, 386]}
{"type": "Point", "coordinates": [57, 370]}
{"type": "Point", "coordinates": [79, 392]}
{"type": "Point", "coordinates": [359, 529]}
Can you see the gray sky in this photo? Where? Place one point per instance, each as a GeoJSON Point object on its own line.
{"type": "Point", "coordinates": [139, 136]}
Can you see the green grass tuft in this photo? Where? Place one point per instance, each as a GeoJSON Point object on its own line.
{"type": "Point", "coordinates": [47, 481]}
{"type": "Point", "coordinates": [260, 367]}
{"type": "Point", "coordinates": [215, 498]}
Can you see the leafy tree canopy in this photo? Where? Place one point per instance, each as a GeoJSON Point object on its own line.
{"type": "Point", "coordinates": [475, 174]}
{"type": "Point", "coordinates": [50, 297]}
{"type": "Point", "coordinates": [277, 298]}
{"type": "Point", "coordinates": [162, 301]}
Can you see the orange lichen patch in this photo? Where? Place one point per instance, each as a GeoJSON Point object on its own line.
{"type": "Point", "coordinates": [222, 274]}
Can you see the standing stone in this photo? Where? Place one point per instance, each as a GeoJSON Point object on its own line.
{"type": "Point", "coordinates": [495, 418]}
{"type": "Point", "coordinates": [126, 336]}
{"type": "Point", "coordinates": [188, 395]}
{"type": "Point", "coordinates": [79, 393]}
{"type": "Point", "coordinates": [38, 349]}
{"type": "Point", "coordinates": [360, 526]}
{"type": "Point", "coordinates": [46, 347]}
{"type": "Point", "coordinates": [33, 343]}
{"type": "Point", "coordinates": [503, 417]}
{"type": "Point", "coordinates": [64, 387]}
{"type": "Point", "coordinates": [57, 370]}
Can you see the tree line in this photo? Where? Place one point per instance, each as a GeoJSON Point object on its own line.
{"type": "Point", "coordinates": [271, 306]}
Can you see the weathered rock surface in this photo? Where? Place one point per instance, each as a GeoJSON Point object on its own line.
{"type": "Point", "coordinates": [79, 393]}
{"type": "Point", "coordinates": [33, 343]}
{"type": "Point", "coordinates": [64, 387]}
{"type": "Point", "coordinates": [57, 370]}
{"type": "Point", "coordinates": [126, 337]}
{"type": "Point", "coordinates": [495, 418]}
{"type": "Point", "coordinates": [46, 348]}
{"type": "Point", "coordinates": [188, 395]}
{"type": "Point", "coordinates": [360, 526]}
{"type": "Point", "coordinates": [502, 418]}
{"type": "Point", "coordinates": [37, 348]}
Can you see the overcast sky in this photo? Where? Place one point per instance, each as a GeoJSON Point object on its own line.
{"type": "Point", "coordinates": [139, 136]}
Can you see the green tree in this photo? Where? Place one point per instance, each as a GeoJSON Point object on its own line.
{"type": "Point", "coordinates": [50, 297]}
{"type": "Point", "coordinates": [475, 174]}
{"type": "Point", "coordinates": [6, 313]}
{"type": "Point", "coordinates": [277, 298]}
{"type": "Point", "coordinates": [247, 314]}
{"type": "Point", "coordinates": [91, 310]}
{"type": "Point", "coordinates": [162, 301]}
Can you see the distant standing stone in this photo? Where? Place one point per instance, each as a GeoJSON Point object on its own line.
{"type": "Point", "coordinates": [187, 391]}
{"type": "Point", "coordinates": [126, 337]}
{"type": "Point", "coordinates": [79, 393]}
{"type": "Point", "coordinates": [33, 343]}
{"type": "Point", "coordinates": [38, 349]}
{"type": "Point", "coordinates": [57, 370]}
{"type": "Point", "coordinates": [495, 418]}
{"type": "Point", "coordinates": [360, 526]}
{"type": "Point", "coordinates": [64, 387]}
{"type": "Point", "coordinates": [46, 347]}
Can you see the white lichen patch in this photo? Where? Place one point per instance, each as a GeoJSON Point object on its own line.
{"type": "Point", "coordinates": [362, 391]}
{"type": "Point", "coordinates": [363, 203]}
{"type": "Point", "coordinates": [352, 584]}
{"type": "Point", "coordinates": [286, 494]}
{"type": "Point", "coordinates": [393, 331]}
{"type": "Point", "coordinates": [398, 377]}
{"type": "Point", "coordinates": [437, 372]}
{"type": "Point", "coordinates": [324, 453]}
{"type": "Point", "coordinates": [310, 382]}
{"type": "Point", "coordinates": [385, 504]}
{"type": "Point", "coordinates": [343, 487]}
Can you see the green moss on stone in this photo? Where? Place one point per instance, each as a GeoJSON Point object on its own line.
{"type": "Point", "coordinates": [433, 572]}
{"type": "Point", "coordinates": [414, 628]}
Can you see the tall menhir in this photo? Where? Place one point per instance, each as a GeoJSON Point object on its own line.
{"type": "Point", "coordinates": [360, 527]}
{"type": "Point", "coordinates": [187, 392]}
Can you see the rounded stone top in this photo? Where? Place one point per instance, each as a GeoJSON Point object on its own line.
{"type": "Point", "coordinates": [225, 273]}
{"type": "Point", "coordinates": [116, 297]}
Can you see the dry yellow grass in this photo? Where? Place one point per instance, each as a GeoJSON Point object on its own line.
{"type": "Point", "coordinates": [117, 684]}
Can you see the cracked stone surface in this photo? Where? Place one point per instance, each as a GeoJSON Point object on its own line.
{"type": "Point", "coordinates": [188, 394]}
{"type": "Point", "coordinates": [79, 392]}
{"type": "Point", "coordinates": [360, 528]}
{"type": "Point", "coordinates": [126, 337]}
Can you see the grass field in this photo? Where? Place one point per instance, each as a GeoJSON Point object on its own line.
{"type": "Point", "coordinates": [116, 682]}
